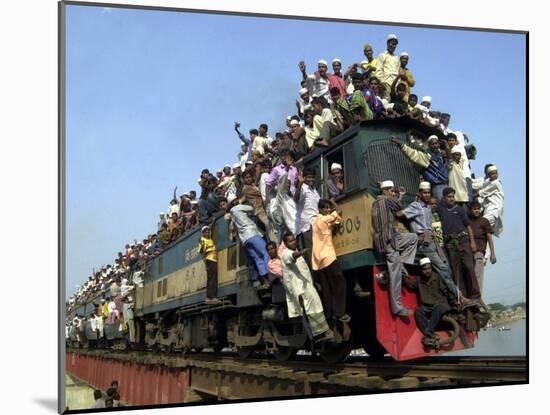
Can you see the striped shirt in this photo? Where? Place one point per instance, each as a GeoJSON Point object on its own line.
{"type": "Point", "coordinates": [383, 214]}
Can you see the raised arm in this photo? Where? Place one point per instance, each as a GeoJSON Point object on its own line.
{"type": "Point", "coordinates": [245, 140]}
{"type": "Point", "coordinates": [299, 183]}
{"type": "Point", "coordinates": [418, 157]}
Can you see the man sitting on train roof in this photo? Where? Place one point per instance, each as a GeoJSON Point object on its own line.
{"type": "Point", "coordinates": [324, 125]}
{"type": "Point", "coordinates": [432, 161]}
{"type": "Point", "coordinates": [398, 248]}
{"type": "Point", "coordinates": [300, 291]}
{"type": "Point", "coordinates": [435, 300]}
{"type": "Point", "coordinates": [250, 237]}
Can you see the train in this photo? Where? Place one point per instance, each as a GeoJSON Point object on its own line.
{"type": "Point", "coordinates": [170, 313]}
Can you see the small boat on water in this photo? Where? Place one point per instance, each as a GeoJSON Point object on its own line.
{"type": "Point", "coordinates": [504, 328]}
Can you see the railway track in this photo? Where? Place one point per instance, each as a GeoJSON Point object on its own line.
{"type": "Point", "coordinates": [224, 376]}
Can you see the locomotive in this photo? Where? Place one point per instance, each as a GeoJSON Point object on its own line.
{"type": "Point", "coordinates": [171, 315]}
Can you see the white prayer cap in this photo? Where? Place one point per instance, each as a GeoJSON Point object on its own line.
{"type": "Point", "coordinates": [386, 183]}
{"type": "Point", "coordinates": [236, 165]}
{"type": "Point", "coordinates": [303, 91]}
{"type": "Point", "coordinates": [336, 60]}
{"type": "Point", "coordinates": [424, 186]}
{"type": "Point", "coordinates": [335, 167]}
{"type": "Point", "coordinates": [249, 162]}
{"type": "Point", "coordinates": [457, 149]}
{"type": "Point", "coordinates": [227, 165]}
{"type": "Point", "coordinates": [322, 62]}
{"type": "Point", "coordinates": [404, 54]}
{"type": "Point", "coordinates": [433, 137]}
{"type": "Point", "coordinates": [427, 98]}
{"type": "Point", "coordinates": [161, 213]}
{"type": "Point", "coordinates": [392, 36]}
{"type": "Point", "coordinates": [425, 261]}
{"type": "Point", "coordinates": [491, 168]}
{"type": "Point", "coordinates": [204, 228]}
{"type": "Point", "coordinates": [294, 122]}
{"type": "Point", "coordinates": [219, 171]}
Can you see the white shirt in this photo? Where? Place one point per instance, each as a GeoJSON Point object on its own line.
{"type": "Point", "coordinates": [318, 87]}
{"type": "Point", "coordinates": [93, 323]}
{"type": "Point", "coordinates": [466, 165]}
{"type": "Point", "coordinates": [175, 208]}
{"type": "Point", "coordinates": [307, 208]}
{"type": "Point", "coordinates": [260, 143]}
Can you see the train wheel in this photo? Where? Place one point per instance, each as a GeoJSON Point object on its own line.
{"type": "Point", "coordinates": [245, 352]}
{"type": "Point", "coordinates": [374, 349]}
{"type": "Point", "coordinates": [217, 348]}
{"type": "Point", "coordinates": [335, 352]}
{"type": "Point", "coordinates": [283, 354]}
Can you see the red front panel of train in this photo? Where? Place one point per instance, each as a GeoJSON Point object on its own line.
{"type": "Point", "coordinates": [400, 336]}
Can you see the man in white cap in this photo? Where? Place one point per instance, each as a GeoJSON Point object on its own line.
{"type": "Point", "coordinates": [419, 215]}
{"type": "Point", "coordinates": [208, 249]}
{"type": "Point", "coordinates": [321, 81]}
{"type": "Point", "coordinates": [304, 103]}
{"type": "Point", "coordinates": [491, 197]}
{"type": "Point", "coordinates": [335, 183]}
{"type": "Point", "coordinates": [336, 80]}
{"type": "Point", "coordinates": [435, 302]}
{"type": "Point", "coordinates": [456, 175]}
{"type": "Point", "coordinates": [398, 248]}
{"type": "Point", "coordinates": [405, 76]}
{"type": "Point", "coordinates": [434, 166]}
{"type": "Point", "coordinates": [316, 83]}
{"type": "Point", "coordinates": [388, 66]}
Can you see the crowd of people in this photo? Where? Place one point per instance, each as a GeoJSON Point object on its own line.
{"type": "Point", "coordinates": [276, 212]}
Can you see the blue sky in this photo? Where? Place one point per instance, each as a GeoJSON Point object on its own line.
{"type": "Point", "coordinates": [152, 97]}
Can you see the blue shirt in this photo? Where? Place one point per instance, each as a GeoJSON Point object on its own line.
{"type": "Point", "coordinates": [420, 215]}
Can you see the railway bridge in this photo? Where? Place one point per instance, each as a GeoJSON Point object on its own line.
{"type": "Point", "coordinates": [155, 379]}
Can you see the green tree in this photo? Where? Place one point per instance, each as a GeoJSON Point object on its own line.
{"type": "Point", "coordinates": [497, 307]}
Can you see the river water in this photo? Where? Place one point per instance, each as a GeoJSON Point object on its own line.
{"type": "Point", "coordinates": [492, 342]}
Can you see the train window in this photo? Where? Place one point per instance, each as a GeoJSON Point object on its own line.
{"type": "Point", "coordinates": [232, 257]}
{"type": "Point", "coordinates": [345, 157]}
{"type": "Point", "coordinates": [159, 289]}
{"type": "Point", "coordinates": [164, 286]}
{"type": "Point", "coordinates": [160, 265]}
